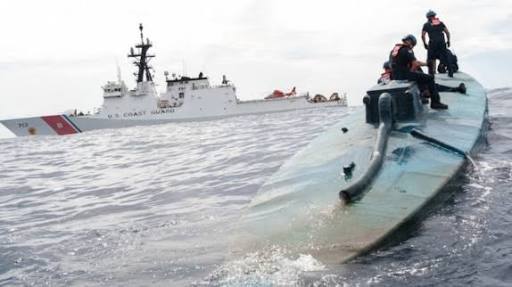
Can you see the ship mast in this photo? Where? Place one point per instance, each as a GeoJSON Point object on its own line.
{"type": "Point", "coordinates": [142, 58]}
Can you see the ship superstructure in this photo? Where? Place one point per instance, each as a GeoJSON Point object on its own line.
{"type": "Point", "coordinates": [118, 100]}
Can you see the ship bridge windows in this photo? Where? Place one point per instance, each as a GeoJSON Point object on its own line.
{"type": "Point", "coordinates": [199, 86]}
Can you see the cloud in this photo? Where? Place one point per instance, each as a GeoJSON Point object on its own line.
{"type": "Point", "coordinates": [55, 63]}
{"type": "Point", "coordinates": [61, 52]}
{"type": "Point", "coordinates": [501, 26]}
{"type": "Point", "coordinates": [492, 68]}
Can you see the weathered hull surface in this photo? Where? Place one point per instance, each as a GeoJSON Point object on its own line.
{"type": "Point", "coordinates": [298, 208]}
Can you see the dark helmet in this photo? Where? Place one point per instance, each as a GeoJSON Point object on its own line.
{"type": "Point", "coordinates": [411, 38]}
{"type": "Point", "coordinates": [431, 13]}
{"type": "Point", "coordinates": [386, 66]}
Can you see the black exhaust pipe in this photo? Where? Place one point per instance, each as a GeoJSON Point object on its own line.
{"type": "Point", "coordinates": [355, 190]}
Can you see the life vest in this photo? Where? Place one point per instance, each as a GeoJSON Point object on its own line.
{"type": "Point", "coordinates": [435, 22]}
{"type": "Point", "coordinates": [394, 54]}
{"type": "Point", "coordinates": [386, 76]}
{"type": "Point", "coordinates": [395, 50]}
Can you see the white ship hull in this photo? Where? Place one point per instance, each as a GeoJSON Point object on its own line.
{"type": "Point", "coordinates": [64, 124]}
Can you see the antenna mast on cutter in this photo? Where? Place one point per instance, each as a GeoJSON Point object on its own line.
{"type": "Point", "coordinates": [142, 58]}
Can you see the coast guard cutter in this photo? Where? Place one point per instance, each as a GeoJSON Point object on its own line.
{"type": "Point", "coordinates": [185, 99]}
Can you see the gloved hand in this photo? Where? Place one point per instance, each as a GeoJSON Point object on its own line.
{"type": "Point", "coordinates": [426, 46]}
{"type": "Point", "coordinates": [448, 44]}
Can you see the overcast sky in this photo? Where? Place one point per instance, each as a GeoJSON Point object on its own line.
{"type": "Point", "coordinates": [56, 54]}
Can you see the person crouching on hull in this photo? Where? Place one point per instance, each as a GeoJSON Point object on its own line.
{"type": "Point", "coordinates": [404, 67]}
{"type": "Point", "coordinates": [436, 47]}
{"type": "Point", "coordinates": [386, 76]}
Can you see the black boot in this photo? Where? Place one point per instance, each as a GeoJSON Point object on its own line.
{"type": "Point", "coordinates": [431, 67]}
{"type": "Point", "coordinates": [450, 70]}
{"type": "Point", "coordinates": [462, 88]}
{"type": "Point", "coordinates": [438, 106]}
{"type": "Point", "coordinates": [425, 95]}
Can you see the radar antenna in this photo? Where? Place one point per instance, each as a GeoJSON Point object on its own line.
{"type": "Point", "coordinates": [142, 58]}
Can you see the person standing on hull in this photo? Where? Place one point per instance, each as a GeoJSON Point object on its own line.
{"type": "Point", "coordinates": [404, 66]}
{"type": "Point", "coordinates": [437, 46]}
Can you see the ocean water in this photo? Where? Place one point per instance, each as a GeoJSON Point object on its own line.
{"type": "Point", "coordinates": [155, 206]}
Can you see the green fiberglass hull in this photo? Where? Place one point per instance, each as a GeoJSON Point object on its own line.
{"type": "Point", "coordinates": [298, 209]}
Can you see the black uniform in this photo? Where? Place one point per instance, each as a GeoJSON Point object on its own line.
{"type": "Point", "coordinates": [436, 44]}
{"type": "Point", "coordinates": [401, 59]}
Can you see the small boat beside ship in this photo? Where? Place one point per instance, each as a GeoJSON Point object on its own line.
{"type": "Point", "coordinates": [185, 99]}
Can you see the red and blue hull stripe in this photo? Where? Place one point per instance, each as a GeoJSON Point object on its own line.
{"type": "Point", "coordinates": [61, 124]}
